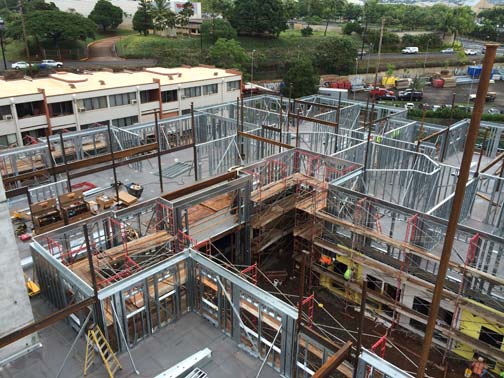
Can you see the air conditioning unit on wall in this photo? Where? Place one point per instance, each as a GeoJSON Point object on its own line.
{"type": "Point", "coordinates": [80, 110]}
{"type": "Point", "coordinates": [133, 101]}
{"type": "Point", "coordinates": [7, 117]}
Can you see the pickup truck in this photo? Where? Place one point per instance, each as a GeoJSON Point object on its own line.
{"type": "Point", "coordinates": [490, 97]}
{"type": "Point", "coordinates": [410, 95]}
{"type": "Point", "coordinates": [381, 92]}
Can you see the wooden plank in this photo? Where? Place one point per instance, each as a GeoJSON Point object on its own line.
{"type": "Point", "coordinates": [265, 140]}
{"type": "Point", "coordinates": [334, 361]}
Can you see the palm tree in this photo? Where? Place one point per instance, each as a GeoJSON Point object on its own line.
{"type": "Point", "coordinates": [162, 16]}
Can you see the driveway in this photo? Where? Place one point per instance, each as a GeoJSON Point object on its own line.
{"type": "Point", "coordinates": [103, 50]}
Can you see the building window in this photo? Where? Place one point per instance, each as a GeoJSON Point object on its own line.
{"type": "Point", "coordinates": [233, 85]}
{"type": "Point", "coordinates": [148, 96]}
{"type": "Point", "coordinates": [58, 109]}
{"type": "Point", "coordinates": [127, 121]}
{"type": "Point", "coordinates": [374, 283]}
{"type": "Point", "coordinates": [169, 96]}
{"type": "Point", "coordinates": [122, 99]}
{"type": "Point", "coordinates": [392, 293]}
{"type": "Point", "coordinates": [5, 110]}
{"type": "Point", "coordinates": [30, 109]}
{"type": "Point", "coordinates": [491, 337]}
{"type": "Point", "coordinates": [192, 92]}
{"type": "Point", "coordinates": [210, 89]}
{"type": "Point", "coordinates": [92, 103]}
{"type": "Point", "coordinates": [9, 140]}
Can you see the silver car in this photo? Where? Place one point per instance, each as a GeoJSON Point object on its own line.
{"type": "Point", "coordinates": [20, 65]}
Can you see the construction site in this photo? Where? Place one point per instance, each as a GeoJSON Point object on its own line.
{"type": "Point", "coordinates": [310, 232]}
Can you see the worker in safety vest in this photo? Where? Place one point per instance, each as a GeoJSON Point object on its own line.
{"type": "Point", "coordinates": [478, 366]}
{"type": "Point", "coordinates": [348, 274]}
{"type": "Point", "coordinates": [325, 260]}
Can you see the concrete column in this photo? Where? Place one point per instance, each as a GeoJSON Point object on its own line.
{"type": "Point", "coordinates": [16, 311]}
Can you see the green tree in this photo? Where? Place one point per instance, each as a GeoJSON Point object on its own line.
{"type": "Point", "coordinates": [352, 12]}
{"type": "Point", "coordinates": [55, 26]}
{"type": "Point", "coordinates": [336, 55]}
{"type": "Point", "coordinates": [212, 30]}
{"type": "Point", "coordinates": [352, 27]}
{"type": "Point", "coordinates": [162, 16]}
{"type": "Point", "coordinates": [332, 9]}
{"type": "Point", "coordinates": [182, 18]}
{"type": "Point", "coordinates": [38, 5]}
{"type": "Point", "coordinates": [460, 21]}
{"type": "Point", "coordinates": [142, 19]}
{"type": "Point", "coordinates": [303, 78]}
{"type": "Point", "coordinates": [228, 53]}
{"type": "Point", "coordinates": [259, 17]}
{"type": "Point", "coordinates": [218, 7]}
{"type": "Point", "coordinates": [106, 15]}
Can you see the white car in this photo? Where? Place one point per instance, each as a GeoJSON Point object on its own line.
{"type": "Point", "coordinates": [493, 111]}
{"type": "Point", "coordinates": [470, 52]}
{"type": "Point", "coordinates": [448, 51]}
{"type": "Point", "coordinates": [20, 65]}
{"type": "Point", "coordinates": [410, 50]}
{"type": "Point", "coordinates": [50, 63]}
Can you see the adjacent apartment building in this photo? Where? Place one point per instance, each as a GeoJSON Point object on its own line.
{"type": "Point", "coordinates": [33, 108]}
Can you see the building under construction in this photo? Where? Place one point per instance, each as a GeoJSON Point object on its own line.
{"type": "Point", "coordinates": [316, 188]}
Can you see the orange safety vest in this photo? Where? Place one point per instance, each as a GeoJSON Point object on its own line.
{"type": "Point", "coordinates": [325, 260]}
{"type": "Point", "coordinates": [477, 367]}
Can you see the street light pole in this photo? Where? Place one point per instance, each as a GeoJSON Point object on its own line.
{"type": "Point", "coordinates": [426, 53]}
{"type": "Point", "coordinates": [369, 58]}
{"type": "Point", "coordinates": [356, 72]}
{"type": "Point", "coordinates": [2, 28]}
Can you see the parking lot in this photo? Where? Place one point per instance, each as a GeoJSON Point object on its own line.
{"type": "Point", "coordinates": [443, 96]}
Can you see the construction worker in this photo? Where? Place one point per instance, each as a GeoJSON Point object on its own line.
{"type": "Point", "coordinates": [348, 274]}
{"type": "Point", "coordinates": [477, 367]}
{"type": "Point", "coordinates": [325, 261]}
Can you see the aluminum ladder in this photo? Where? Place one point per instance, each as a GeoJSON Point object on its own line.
{"type": "Point", "coordinates": [96, 341]}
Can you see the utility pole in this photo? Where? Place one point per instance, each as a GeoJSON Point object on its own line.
{"type": "Point", "coordinates": [25, 37]}
{"type": "Point", "coordinates": [379, 51]}
{"type": "Point", "coordinates": [458, 199]}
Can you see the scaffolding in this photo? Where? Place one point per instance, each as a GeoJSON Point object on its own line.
{"type": "Point", "coordinates": [362, 190]}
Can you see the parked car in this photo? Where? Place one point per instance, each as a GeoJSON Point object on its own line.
{"type": "Point", "coordinates": [380, 92]}
{"type": "Point", "coordinates": [490, 97]}
{"type": "Point", "coordinates": [50, 63]}
{"type": "Point", "coordinates": [20, 65]}
{"type": "Point", "coordinates": [409, 105]}
{"type": "Point", "coordinates": [388, 97]}
{"type": "Point", "coordinates": [493, 111]}
{"type": "Point", "coordinates": [411, 95]}
{"type": "Point", "coordinates": [410, 50]}
{"type": "Point", "coordinates": [448, 51]}
{"type": "Point", "coordinates": [470, 52]}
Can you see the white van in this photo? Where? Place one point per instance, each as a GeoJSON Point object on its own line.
{"type": "Point", "coordinates": [410, 50]}
{"type": "Point", "coordinates": [334, 92]}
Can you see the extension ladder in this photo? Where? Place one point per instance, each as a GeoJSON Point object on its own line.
{"type": "Point", "coordinates": [95, 339]}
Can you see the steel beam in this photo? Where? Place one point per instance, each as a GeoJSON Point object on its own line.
{"type": "Point", "coordinates": [45, 322]}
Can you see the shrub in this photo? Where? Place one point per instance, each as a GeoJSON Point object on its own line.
{"type": "Point", "coordinates": [306, 32]}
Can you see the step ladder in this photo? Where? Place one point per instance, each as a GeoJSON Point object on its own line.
{"type": "Point", "coordinates": [97, 342]}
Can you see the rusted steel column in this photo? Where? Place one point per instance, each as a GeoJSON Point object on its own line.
{"type": "Point", "coordinates": [458, 199]}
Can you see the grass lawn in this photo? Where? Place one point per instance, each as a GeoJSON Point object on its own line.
{"type": "Point", "coordinates": [14, 51]}
{"type": "Point", "coordinates": [271, 53]}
